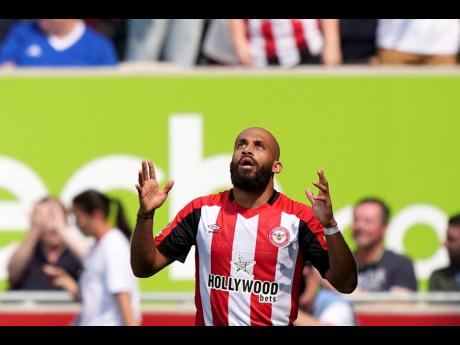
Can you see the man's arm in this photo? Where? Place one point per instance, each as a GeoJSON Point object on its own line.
{"type": "Point", "coordinates": [240, 41]}
{"type": "Point", "coordinates": [146, 260]}
{"type": "Point", "coordinates": [343, 272]}
{"type": "Point", "coordinates": [23, 254]}
{"type": "Point", "coordinates": [332, 54]}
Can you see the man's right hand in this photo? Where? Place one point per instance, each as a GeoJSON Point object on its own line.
{"type": "Point", "coordinates": [150, 195]}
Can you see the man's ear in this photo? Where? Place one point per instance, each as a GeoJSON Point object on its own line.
{"type": "Point", "coordinates": [277, 167]}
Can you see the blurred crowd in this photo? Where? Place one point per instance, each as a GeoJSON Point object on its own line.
{"type": "Point", "coordinates": [229, 42]}
{"type": "Point", "coordinates": [99, 275]}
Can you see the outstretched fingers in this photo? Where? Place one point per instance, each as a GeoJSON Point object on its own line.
{"type": "Point", "coordinates": [310, 196]}
{"type": "Point", "coordinates": [168, 186]}
{"type": "Point", "coordinates": [140, 179]}
{"type": "Point", "coordinates": [322, 178]}
{"type": "Point", "coordinates": [145, 174]}
{"type": "Point", "coordinates": [151, 170]}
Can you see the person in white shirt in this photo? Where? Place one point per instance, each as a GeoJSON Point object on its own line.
{"type": "Point", "coordinates": [418, 41]}
{"type": "Point", "coordinates": [107, 286]}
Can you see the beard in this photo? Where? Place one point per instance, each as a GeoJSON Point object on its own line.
{"type": "Point", "coordinates": [254, 183]}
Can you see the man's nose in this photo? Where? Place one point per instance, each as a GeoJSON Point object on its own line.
{"type": "Point", "coordinates": [247, 151]}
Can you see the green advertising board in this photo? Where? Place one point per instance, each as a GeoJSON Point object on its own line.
{"type": "Point", "coordinates": [395, 137]}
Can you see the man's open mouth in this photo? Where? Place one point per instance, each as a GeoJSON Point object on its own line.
{"type": "Point", "coordinates": [247, 162]}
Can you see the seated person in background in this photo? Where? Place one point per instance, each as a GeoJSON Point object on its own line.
{"type": "Point", "coordinates": [56, 43]}
{"type": "Point", "coordinates": [418, 41]}
{"type": "Point", "coordinates": [448, 278]}
{"type": "Point", "coordinates": [357, 41]}
{"type": "Point", "coordinates": [42, 246]}
{"type": "Point", "coordinates": [286, 42]}
{"type": "Point", "coordinates": [320, 304]}
{"type": "Point", "coordinates": [379, 269]}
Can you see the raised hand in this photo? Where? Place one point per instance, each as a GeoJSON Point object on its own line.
{"type": "Point", "coordinates": [322, 205]}
{"type": "Point", "coordinates": [150, 195]}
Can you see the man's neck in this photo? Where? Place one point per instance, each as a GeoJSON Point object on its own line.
{"type": "Point", "coordinates": [253, 200]}
{"type": "Point", "coordinates": [369, 254]}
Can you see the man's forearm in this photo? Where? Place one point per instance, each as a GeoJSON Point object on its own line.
{"type": "Point", "coordinates": [22, 256]}
{"type": "Point", "coordinates": [331, 31]}
{"type": "Point", "coordinates": [342, 272]}
{"type": "Point", "coordinates": [142, 247]}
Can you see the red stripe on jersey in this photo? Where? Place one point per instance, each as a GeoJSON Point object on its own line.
{"type": "Point", "coordinates": [299, 36]}
{"type": "Point", "coordinates": [266, 256]}
{"type": "Point", "coordinates": [199, 319]}
{"type": "Point", "coordinates": [296, 283]}
{"type": "Point", "coordinates": [267, 32]}
{"type": "Point", "coordinates": [221, 256]}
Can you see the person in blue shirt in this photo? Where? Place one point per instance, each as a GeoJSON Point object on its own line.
{"type": "Point", "coordinates": [56, 43]}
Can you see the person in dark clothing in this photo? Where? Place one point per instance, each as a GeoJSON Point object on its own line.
{"type": "Point", "coordinates": [358, 40]}
{"type": "Point", "coordinates": [379, 269]}
{"type": "Point", "coordinates": [448, 278]}
{"type": "Point", "coordinates": [42, 246]}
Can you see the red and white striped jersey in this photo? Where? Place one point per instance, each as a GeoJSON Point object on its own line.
{"type": "Point", "coordinates": [249, 262]}
{"type": "Point", "coordinates": [283, 39]}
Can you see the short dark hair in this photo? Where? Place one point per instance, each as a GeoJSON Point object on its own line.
{"type": "Point", "coordinates": [454, 220]}
{"type": "Point", "coordinates": [384, 207]}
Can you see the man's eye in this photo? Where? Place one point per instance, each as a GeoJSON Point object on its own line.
{"type": "Point", "coordinates": [260, 147]}
{"type": "Point", "coordinates": [241, 145]}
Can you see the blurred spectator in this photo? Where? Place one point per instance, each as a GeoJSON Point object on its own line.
{"type": "Point", "coordinates": [448, 278]}
{"type": "Point", "coordinates": [357, 40]}
{"type": "Point", "coordinates": [42, 245]}
{"type": "Point", "coordinates": [286, 42]}
{"type": "Point", "coordinates": [172, 40]}
{"type": "Point", "coordinates": [58, 43]}
{"type": "Point", "coordinates": [418, 41]}
{"type": "Point", "coordinates": [320, 304]}
{"type": "Point", "coordinates": [379, 269]}
{"type": "Point", "coordinates": [5, 26]}
{"type": "Point", "coordinates": [218, 46]}
{"type": "Point", "coordinates": [107, 287]}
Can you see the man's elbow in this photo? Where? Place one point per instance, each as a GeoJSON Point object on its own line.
{"type": "Point", "coordinates": [142, 272]}
{"type": "Point", "coordinates": [347, 285]}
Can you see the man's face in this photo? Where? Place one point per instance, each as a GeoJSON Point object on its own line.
{"type": "Point", "coordinates": [254, 160]}
{"type": "Point", "coordinates": [53, 26]}
{"type": "Point", "coordinates": [452, 243]}
{"type": "Point", "coordinates": [368, 226]}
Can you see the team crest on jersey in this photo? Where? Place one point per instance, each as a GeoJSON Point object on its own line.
{"type": "Point", "coordinates": [279, 237]}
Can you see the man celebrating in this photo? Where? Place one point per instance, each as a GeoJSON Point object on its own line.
{"type": "Point", "coordinates": [252, 242]}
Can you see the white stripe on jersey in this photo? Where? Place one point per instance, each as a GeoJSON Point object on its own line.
{"type": "Point", "coordinates": [313, 35]}
{"type": "Point", "coordinates": [257, 43]}
{"type": "Point", "coordinates": [285, 268]}
{"type": "Point", "coordinates": [203, 241]}
{"type": "Point", "coordinates": [244, 245]}
{"type": "Point", "coordinates": [286, 46]}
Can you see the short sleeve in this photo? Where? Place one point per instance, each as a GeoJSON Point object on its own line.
{"type": "Point", "coordinates": [312, 242]}
{"type": "Point", "coordinates": [176, 240]}
{"type": "Point", "coordinates": [119, 275]}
